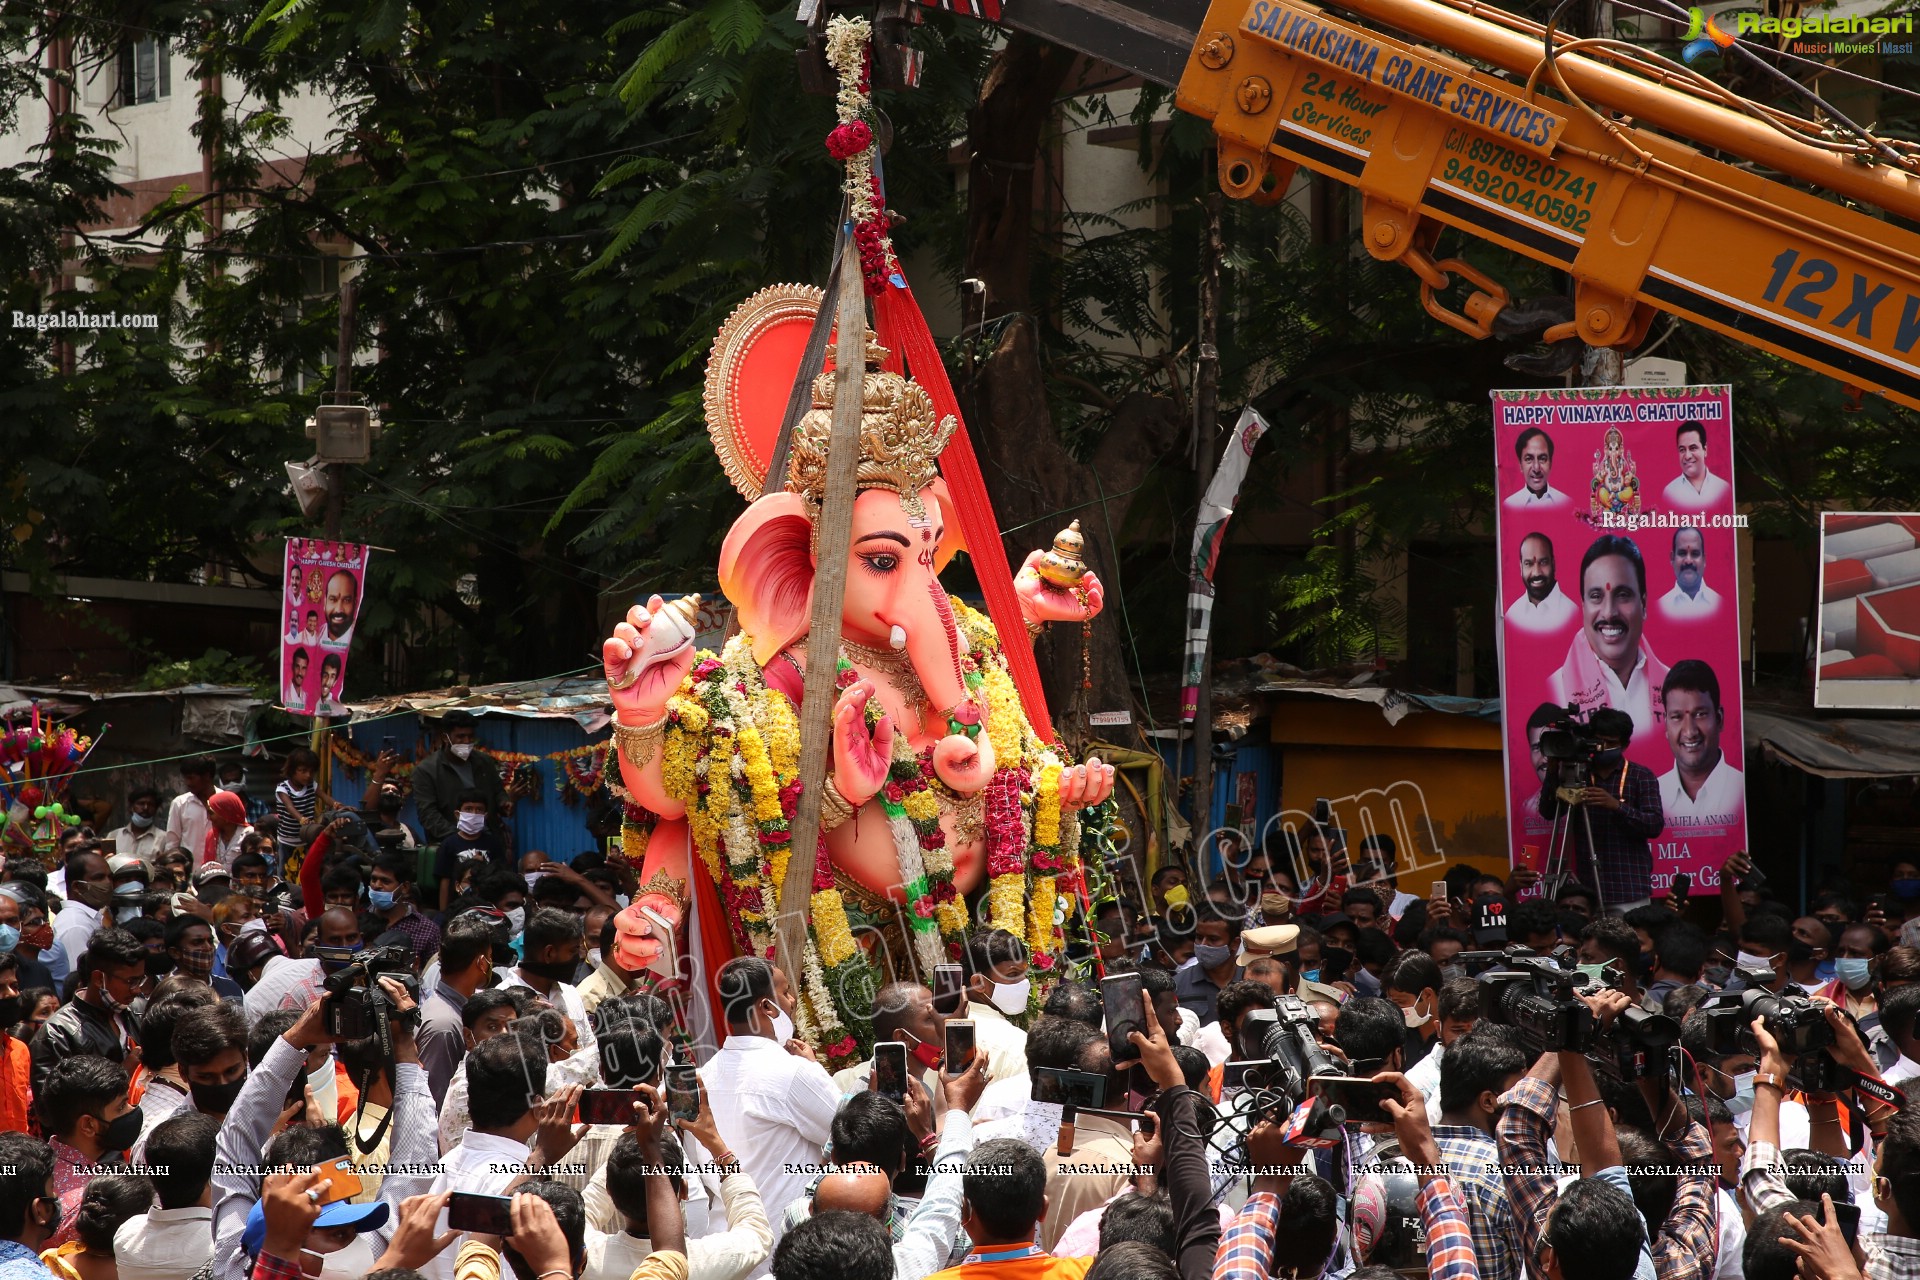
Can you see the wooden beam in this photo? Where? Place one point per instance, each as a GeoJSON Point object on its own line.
{"type": "Point", "coordinates": [823, 634]}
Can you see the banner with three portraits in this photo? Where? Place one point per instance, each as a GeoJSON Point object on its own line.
{"type": "Point", "coordinates": [1619, 593]}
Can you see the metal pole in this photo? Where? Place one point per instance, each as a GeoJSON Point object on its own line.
{"type": "Point", "coordinates": [823, 634]}
{"type": "Point", "coordinates": [1206, 429]}
{"type": "Point", "coordinates": [342, 384]}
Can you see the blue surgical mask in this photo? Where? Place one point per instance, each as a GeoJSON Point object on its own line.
{"type": "Point", "coordinates": [1742, 1100]}
{"type": "Point", "coordinates": [1856, 972]}
{"type": "Point", "coordinates": [1310, 975]}
{"type": "Point", "coordinates": [9, 939]}
{"type": "Point", "coordinates": [380, 899]}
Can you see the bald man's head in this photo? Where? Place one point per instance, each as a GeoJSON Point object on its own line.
{"type": "Point", "coordinates": [339, 927]}
{"type": "Point", "coordinates": [855, 1188]}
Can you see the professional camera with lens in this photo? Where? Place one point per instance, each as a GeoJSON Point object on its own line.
{"type": "Point", "coordinates": [1293, 1056]}
{"type": "Point", "coordinates": [357, 1007]}
{"type": "Point", "coordinates": [1798, 1024]}
{"type": "Point", "coordinates": [1535, 995]}
{"type": "Point", "coordinates": [1570, 745]}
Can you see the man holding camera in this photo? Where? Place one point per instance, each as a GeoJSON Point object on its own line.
{"type": "Point", "coordinates": [1613, 817]}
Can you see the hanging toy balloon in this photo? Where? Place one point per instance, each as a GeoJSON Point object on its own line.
{"type": "Point", "coordinates": [41, 812]}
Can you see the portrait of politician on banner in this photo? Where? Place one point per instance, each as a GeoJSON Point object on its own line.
{"type": "Point", "coordinates": [1620, 654]}
{"type": "Point", "coordinates": [325, 583]}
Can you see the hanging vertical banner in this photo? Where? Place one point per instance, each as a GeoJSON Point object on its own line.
{"type": "Point", "coordinates": [319, 610]}
{"type": "Point", "coordinates": [1209, 530]}
{"type": "Point", "coordinates": [1619, 591]}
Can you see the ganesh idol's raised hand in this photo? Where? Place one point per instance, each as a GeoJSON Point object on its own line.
{"type": "Point", "coordinates": [1044, 601]}
{"type": "Point", "coordinates": [647, 656]}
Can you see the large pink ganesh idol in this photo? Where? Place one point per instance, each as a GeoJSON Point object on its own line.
{"type": "Point", "coordinates": [933, 764]}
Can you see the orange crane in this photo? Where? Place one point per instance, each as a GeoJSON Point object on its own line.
{"type": "Point", "coordinates": [1588, 155]}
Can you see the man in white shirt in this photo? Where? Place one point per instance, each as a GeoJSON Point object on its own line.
{"type": "Point", "coordinates": [508, 1096]}
{"type": "Point", "coordinates": [143, 837]}
{"type": "Point", "coordinates": [1534, 448]}
{"type": "Point", "coordinates": [89, 888]}
{"type": "Point", "coordinates": [187, 820]}
{"type": "Point", "coordinates": [1702, 789]}
{"type": "Point", "coordinates": [770, 1099]}
{"type": "Point", "coordinates": [175, 1237]}
{"type": "Point", "coordinates": [731, 1254]}
{"type": "Point", "coordinates": [997, 987]}
{"type": "Point", "coordinates": [1695, 488]}
{"type": "Point", "coordinates": [1691, 597]}
{"type": "Point", "coordinates": [1897, 1020]}
{"type": "Point", "coordinates": [1543, 606]}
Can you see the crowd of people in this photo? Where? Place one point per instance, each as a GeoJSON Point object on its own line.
{"type": "Point", "coordinates": [278, 1056]}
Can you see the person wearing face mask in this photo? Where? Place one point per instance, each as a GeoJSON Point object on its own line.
{"type": "Point", "coordinates": [554, 942]}
{"type": "Point", "coordinates": [1853, 986]}
{"type": "Point", "coordinates": [903, 1011]}
{"type": "Point", "coordinates": [187, 823]}
{"type": "Point", "coordinates": [472, 837]}
{"type": "Point", "coordinates": [164, 1089]}
{"type": "Point", "coordinates": [189, 944]}
{"type": "Point", "coordinates": [390, 894]}
{"type": "Point", "coordinates": [1731, 1080]}
{"type": "Point", "coordinates": [1412, 982]}
{"type": "Point", "coordinates": [210, 1045]}
{"type": "Point", "coordinates": [24, 932]}
{"type": "Point", "coordinates": [1215, 959]}
{"type": "Point", "coordinates": [84, 1111]}
{"type": "Point", "coordinates": [89, 890]}
{"type": "Point", "coordinates": [1679, 959]}
{"type": "Point", "coordinates": [29, 1204]}
{"type": "Point", "coordinates": [997, 990]}
{"type": "Point", "coordinates": [773, 1102]}
{"type": "Point", "coordinates": [130, 878]}
{"type": "Point", "coordinates": [96, 1021]}
{"type": "Point", "coordinates": [16, 1064]}
{"type": "Point", "coordinates": [1807, 951]}
{"type": "Point", "coordinates": [441, 780]}
{"type": "Point", "coordinates": [143, 837]}
{"type": "Point", "coordinates": [1762, 943]}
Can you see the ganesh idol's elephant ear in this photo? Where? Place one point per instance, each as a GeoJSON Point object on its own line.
{"type": "Point", "coordinates": [952, 540]}
{"type": "Point", "coordinates": [766, 570]}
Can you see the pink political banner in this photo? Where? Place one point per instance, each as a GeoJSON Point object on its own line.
{"type": "Point", "coordinates": [320, 607]}
{"type": "Point", "coordinates": [1619, 589]}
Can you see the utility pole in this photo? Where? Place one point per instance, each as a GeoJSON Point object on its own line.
{"type": "Point", "coordinates": [342, 387]}
{"type": "Point", "coordinates": [1206, 431]}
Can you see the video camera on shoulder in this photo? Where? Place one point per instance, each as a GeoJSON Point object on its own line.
{"type": "Point", "coordinates": [1795, 1022]}
{"type": "Point", "coordinates": [357, 1007]}
{"type": "Point", "coordinates": [1539, 996]}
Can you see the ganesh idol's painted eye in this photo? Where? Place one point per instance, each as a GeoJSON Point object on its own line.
{"type": "Point", "coordinates": [881, 563]}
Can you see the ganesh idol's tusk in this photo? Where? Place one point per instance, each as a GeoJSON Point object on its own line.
{"type": "Point", "coordinates": [897, 638]}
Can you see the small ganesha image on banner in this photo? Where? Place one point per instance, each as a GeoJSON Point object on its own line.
{"type": "Point", "coordinates": [1616, 483]}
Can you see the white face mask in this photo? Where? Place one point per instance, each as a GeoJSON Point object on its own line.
{"type": "Point", "coordinates": [326, 1093]}
{"type": "Point", "coordinates": [472, 824]}
{"type": "Point", "coordinates": [1747, 960]}
{"type": "Point", "coordinates": [782, 1025]}
{"type": "Point", "coordinates": [350, 1263]}
{"type": "Point", "coordinates": [517, 920]}
{"type": "Point", "coordinates": [139, 821]}
{"type": "Point", "coordinates": [124, 914]}
{"type": "Point", "coordinates": [1415, 1018]}
{"type": "Point", "coordinates": [1011, 997]}
{"type": "Point", "coordinates": [461, 750]}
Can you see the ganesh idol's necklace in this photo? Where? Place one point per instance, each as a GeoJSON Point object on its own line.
{"type": "Point", "coordinates": [897, 667]}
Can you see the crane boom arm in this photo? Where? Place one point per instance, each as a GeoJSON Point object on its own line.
{"type": "Point", "coordinates": [1604, 185]}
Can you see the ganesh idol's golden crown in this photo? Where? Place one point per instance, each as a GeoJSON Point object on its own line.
{"type": "Point", "coordinates": [901, 435]}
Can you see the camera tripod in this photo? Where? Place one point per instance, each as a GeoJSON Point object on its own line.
{"type": "Point", "coordinates": [1556, 868]}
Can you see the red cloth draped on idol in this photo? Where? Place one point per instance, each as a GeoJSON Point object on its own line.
{"type": "Point", "coordinates": [943, 807]}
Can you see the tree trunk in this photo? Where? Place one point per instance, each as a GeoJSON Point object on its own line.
{"type": "Point", "coordinates": [1036, 484]}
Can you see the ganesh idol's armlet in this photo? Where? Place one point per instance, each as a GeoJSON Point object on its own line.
{"type": "Point", "coordinates": [1036, 628]}
{"type": "Point", "coordinates": [639, 742]}
{"type": "Point", "coordinates": [835, 808]}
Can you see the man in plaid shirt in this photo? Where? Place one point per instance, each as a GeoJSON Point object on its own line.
{"type": "Point", "coordinates": [1254, 1247]}
{"type": "Point", "coordinates": [1588, 1216]}
{"type": "Point", "coordinates": [1890, 1255]}
{"type": "Point", "coordinates": [1479, 1068]}
{"type": "Point", "coordinates": [1616, 817]}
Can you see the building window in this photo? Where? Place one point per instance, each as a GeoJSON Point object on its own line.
{"type": "Point", "coordinates": [146, 74]}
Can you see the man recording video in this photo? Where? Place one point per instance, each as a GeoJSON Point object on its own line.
{"type": "Point", "coordinates": [1612, 817]}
